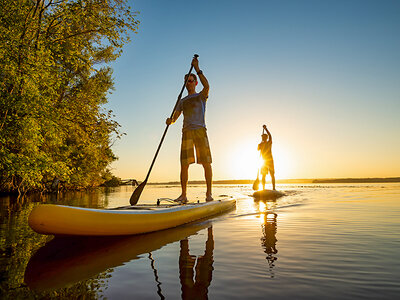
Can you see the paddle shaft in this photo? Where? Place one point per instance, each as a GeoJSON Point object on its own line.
{"type": "Point", "coordinates": [256, 182]}
{"type": "Point", "coordinates": [166, 128]}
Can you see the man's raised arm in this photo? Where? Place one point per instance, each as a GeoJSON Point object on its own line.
{"type": "Point", "coordinates": [269, 133]}
{"type": "Point", "coordinates": [203, 79]}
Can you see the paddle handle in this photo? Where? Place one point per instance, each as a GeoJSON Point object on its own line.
{"type": "Point", "coordinates": [172, 114]}
{"type": "Point", "coordinates": [183, 88]}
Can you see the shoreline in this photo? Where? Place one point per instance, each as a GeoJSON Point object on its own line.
{"type": "Point", "coordinates": [233, 182]}
{"type": "Point", "coordinates": [319, 180]}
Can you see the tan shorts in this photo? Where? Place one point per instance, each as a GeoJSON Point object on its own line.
{"type": "Point", "coordinates": [268, 166]}
{"type": "Point", "coordinates": [195, 138]}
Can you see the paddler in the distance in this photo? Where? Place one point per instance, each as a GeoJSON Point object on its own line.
{"type": "Point", "coordinates": [266, 153]}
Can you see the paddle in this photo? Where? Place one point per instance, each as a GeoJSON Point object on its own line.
{"type": "Point", "coordinates": [256, 182]}
{"type": "Point", "coordinates": [138, 191]}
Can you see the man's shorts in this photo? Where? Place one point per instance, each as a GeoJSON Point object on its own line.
{"type": "Point", "coordinates": [268, 166]}
{"type": "Point", "coordinates": [195, 138]}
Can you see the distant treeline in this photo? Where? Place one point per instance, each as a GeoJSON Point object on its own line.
{"type": "Point", "coordinates": [54, 82]}
{"type": "Point", "coordinates": [333, 180]}
{"type": "Point", "coordinates": [357, 180]}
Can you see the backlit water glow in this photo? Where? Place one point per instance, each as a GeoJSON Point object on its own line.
{"type": "Point", "coordinates": [319, 241]}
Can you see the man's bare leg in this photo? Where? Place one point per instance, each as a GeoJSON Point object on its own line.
{"type": "Point", "coordinates": [208, 176]}
{"type": "Point", "coordinates": [184, 181]}
{"type": "Point", "coordinates": [263, 181]}
{"type": "Point", "coordinates": [273, 180]}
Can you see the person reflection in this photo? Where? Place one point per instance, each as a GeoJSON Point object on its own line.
{"type": "Point", "coordinates": [197, 288]}
{"type": "Point", "coordinates": [268, 240]}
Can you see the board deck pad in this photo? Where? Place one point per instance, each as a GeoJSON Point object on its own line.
{"type": "Point", "coordinates": [169, 202]}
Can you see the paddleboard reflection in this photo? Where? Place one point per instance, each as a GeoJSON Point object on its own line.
{"type": "Point", "coordinates": [64, 261]}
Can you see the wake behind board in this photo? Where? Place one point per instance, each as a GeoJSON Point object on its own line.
{"type": "Point", "coordinates": [267, 195]}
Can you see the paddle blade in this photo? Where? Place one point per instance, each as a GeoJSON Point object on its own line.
{"type": "Point", "coordinates": [136, 193]}
{"type": "Point", "coordinates": [256, 184]}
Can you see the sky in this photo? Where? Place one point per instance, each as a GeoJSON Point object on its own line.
{"type": "Point", "coordinates": [324, 76]}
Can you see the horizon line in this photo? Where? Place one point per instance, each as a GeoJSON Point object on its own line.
{"type": "Point", "coordinates": [294, 180]}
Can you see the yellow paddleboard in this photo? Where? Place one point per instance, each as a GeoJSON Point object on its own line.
{"type": "Point", "coordinates": [67, 220]}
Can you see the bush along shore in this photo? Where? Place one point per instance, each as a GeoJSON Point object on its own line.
{"type": "Point", "coordinates": [54, 82]}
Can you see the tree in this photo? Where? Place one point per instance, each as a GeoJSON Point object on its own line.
{"type": "Point", "coordinates": [55, 79]}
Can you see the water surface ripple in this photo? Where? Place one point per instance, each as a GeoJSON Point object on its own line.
{"type": "Point", "coordinates": [331, 241]}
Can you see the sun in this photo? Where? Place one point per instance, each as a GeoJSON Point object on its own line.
{"type": "Point", "coordinates": [245, 161]}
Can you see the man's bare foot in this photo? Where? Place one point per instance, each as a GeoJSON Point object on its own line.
{"type": "Point", "coordinates": [181, 199]}
{"type": "Point", "coordinates": [209, 198]}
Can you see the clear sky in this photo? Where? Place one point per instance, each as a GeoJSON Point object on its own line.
{"type": "Point", "coordinates": [324, 76]}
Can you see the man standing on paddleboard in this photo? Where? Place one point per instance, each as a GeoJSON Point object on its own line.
{"type": "Point", "coordinates": [266, 152]}
{"type": "Point", "coordinates": [194, 132]}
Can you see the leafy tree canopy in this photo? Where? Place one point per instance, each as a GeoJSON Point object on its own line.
{"type": "Point", "coordinates": [54, 81]}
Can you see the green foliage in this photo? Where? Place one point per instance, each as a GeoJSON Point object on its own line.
{"type": "Point", "coordinates": [110, 180]}
{"type": "Point", "coordinates": [54, 81]}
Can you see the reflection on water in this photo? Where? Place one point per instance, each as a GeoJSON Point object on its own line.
{"type": "Point", "coordinates": [268, 240]}
{"type": "Point", "coordinates": [156, 278]}
{"type": "Point", "coordinates": [195, 273]}
{"type": "Point", "coordinates": [334, 241]}
{"type": "Point", "coordinates": [66, 260]}
{"type": "Point", "coordinates": [268, 228]}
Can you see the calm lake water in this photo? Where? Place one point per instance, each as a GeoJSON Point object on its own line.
{"type": "Point", "coordinates": [331, 241]}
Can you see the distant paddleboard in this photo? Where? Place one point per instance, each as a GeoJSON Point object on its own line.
{"type": "Point", "coordinates": [267, 194]}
